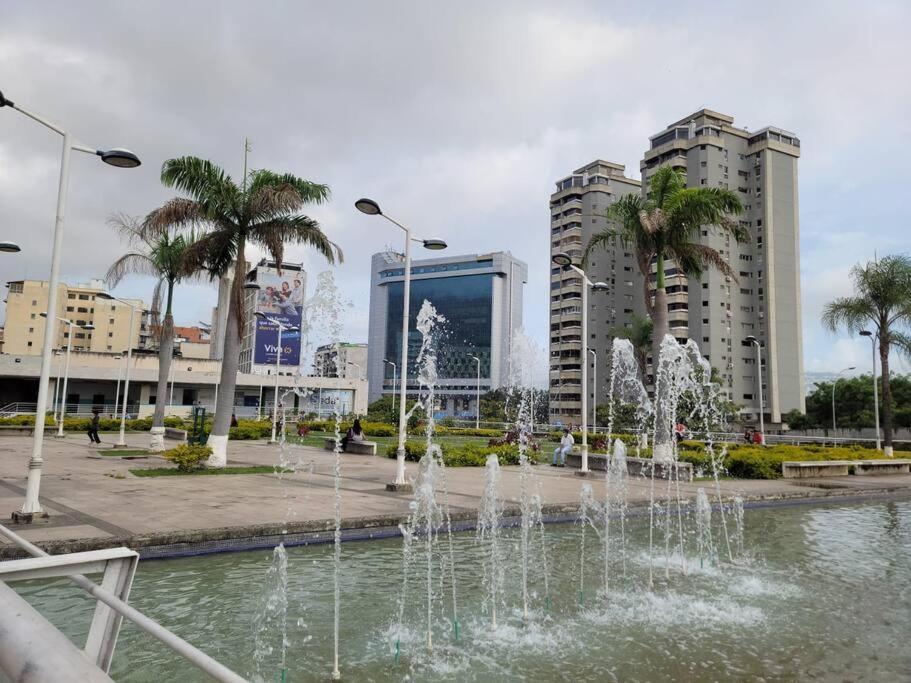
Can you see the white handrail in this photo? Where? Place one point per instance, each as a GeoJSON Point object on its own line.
{"type": "Point", "coordinates": [196, 657]}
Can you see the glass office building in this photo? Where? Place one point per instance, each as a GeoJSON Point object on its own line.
{"type": "Point", "coordinates": [480, 297]}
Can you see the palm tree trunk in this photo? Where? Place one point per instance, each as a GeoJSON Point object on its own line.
{"type": "Point", "coordinates": [659, 313]}
{"type": "Point", "coordinates": [165, 353]}
{"type": "Point", "coordinates": [224, 409]}
{"type": "Point", "coordinates": [887, 393]}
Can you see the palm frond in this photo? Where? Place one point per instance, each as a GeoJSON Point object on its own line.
{"type": "Point", "coordinates": [851, 312]}
{"type": "Point", "coordinates": [173, 215]}
{"type": "Point", "coordinates": [693, 259]}
{"type": "Point", "coordinates": [213, 253]}
{"type": "Point", "coordinates": [602, 239]}
{"type": "Point", "coordinates": [133, 262]}
{"type": "Point", "coordinates": [309, 192]}
{"type": "Point", "coordinates": [901, 342]}
{"type": "Point", "coordinates": [213, 189]}
{"type": "Point", "coordinates": [297, 229]}
{"type": "Point", "coordinates": [128, 226]}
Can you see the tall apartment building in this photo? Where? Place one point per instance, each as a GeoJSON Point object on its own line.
{"type": "Point", "coordinates": [577, 211]}
{"type": "Point", "coordinates": [480, 295]}
{"type": "Point", "coordinates": [764, 300]}
{"type": "Point", "coordinates": [344, 359]}
{"type": "Point", "coordinates": [24, 326]}
{"type": "Point", "coordinates": [716, 311]}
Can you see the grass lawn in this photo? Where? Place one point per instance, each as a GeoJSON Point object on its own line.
{"type": "Point", "coordinates": [174, 472]}
{"type": "Point", "coordinates": [124, 451]}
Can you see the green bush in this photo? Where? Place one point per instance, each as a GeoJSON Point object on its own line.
{"type": "Point", "coordinates": [247, 430]}
{"type": "Point", "coordinates": [188, 457]}
{"type": "Point", "coordinates": [465, 455]}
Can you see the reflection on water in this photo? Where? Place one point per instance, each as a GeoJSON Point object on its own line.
{"type": "Point", "coordinates": [822, 593]}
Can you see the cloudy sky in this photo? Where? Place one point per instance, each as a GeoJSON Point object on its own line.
{"type": "Point", "coordinates": [456, 116]}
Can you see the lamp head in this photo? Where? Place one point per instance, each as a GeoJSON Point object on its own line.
{"type": "Point", "coordinates": [368, 206]}
{"type": "Point", "coordinates": [752, 340]}
{"type": "Point", "coordinates": [434, 245]}
{"type": "Point", "coordinates": [251, 286]}
{"type": "Point", "coordinates": [104, 295]}
{"type": "Point", "coordinates": [600, 287]}
{"type": "Point", "coordinates": [866, 333]}
{"type": "Point", "coordinates": [562, 259]}
{"type": "Point", "coordinates": [122, 158]}
{"type": "Point", "coordinates": [259, 314]}
{"type": "Point", "coordinates": [9, 247]}
{"type": "Point", "coordinates": [87, 326]}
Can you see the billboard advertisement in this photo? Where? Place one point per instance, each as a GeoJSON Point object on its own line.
{"type": "Point", "coordinates": [281, 298]}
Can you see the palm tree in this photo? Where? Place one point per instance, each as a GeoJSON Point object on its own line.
{"type": "Point", "coordinates": [161, 255]}
{"type": "Point", "coordinates": [639, 334]}
{"type": "Point", "coordinates": [882, 300]}
{"type": "Point", "coordinates": [263, 211]}
{"type": "Point", "coordinates": [665, 226]}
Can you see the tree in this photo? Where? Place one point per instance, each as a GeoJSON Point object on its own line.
{"type": "Point", "coordinates": [501, 404]}
{"type": "Point", "coordinates": [262, 211]}
{"type": "Point", "coordinates": [665, 226]}
{"type": "Point", "coordinates": [882, 301]}
{"type": "Point", "coordinates": [853, 404]}
{"type": "Point", "coordinates": [160, 254]}
{"type": "Point", "coordinates": [639, 334]}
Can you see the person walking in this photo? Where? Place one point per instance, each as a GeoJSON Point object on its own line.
{"type": "Point", "coordinates": [566, 446]}
{"type": "Point", "coordinates": [93, 426]}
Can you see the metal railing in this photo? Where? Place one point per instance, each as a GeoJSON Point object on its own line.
{"type": "Point", "coordinates": [108, 614]}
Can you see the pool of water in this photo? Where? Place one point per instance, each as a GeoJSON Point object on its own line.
{"type": "Point", "coordinates": [820, 593]}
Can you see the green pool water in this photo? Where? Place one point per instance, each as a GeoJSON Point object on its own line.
{"type": "Point", "coordinates": [821, 593]}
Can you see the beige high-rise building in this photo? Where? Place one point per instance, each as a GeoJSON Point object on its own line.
{"type": "Point", "coordinates": [577, 211]}
{"type": "Point", "coordinates": [716, 311]}
{"type": "Point", "coordinates": [24, 326]}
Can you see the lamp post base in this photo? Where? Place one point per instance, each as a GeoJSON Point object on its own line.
{"type": "Point", "coordinates": [400, 488]}
{"type": "Point", "coordinates": [582, 473]}
{"type": "Point", "coordinates": [20, 517]}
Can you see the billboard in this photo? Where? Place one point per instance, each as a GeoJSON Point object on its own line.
{"type": "Point", "coordinates": [281, 298]}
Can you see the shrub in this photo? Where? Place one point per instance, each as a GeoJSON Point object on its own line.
{"type": "Point", "coordinates": [188, 456]}
{"type": "Point", "coordinates": [466, 455]}
{"type": "Point", "coordinates": [247, 430]}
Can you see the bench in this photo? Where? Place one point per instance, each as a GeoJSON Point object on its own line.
{"type": "Point", "coordinates": [175, 434]}
{"type": "Point", "coordinates": [807, 469]}
{"type": "Point", "coordinates": [873, 467]}
{"type": "Point", "coordinates": [356, 447]}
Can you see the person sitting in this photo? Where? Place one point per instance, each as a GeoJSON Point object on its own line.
{"type": "Point", "coordinates": [355, 433]}
{"type": "Point", "coordinates": [566, 446]}
{"type": "Point", "coordinates": [748, 435]}
{"type": "Point", "coordinates": [679, 431]}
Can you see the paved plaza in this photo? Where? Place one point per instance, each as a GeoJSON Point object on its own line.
{"type": "Point", "coordinates": [94, 501]}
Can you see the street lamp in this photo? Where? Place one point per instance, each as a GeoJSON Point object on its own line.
{"type": "Point", "coordinates": [834, 384]}
{"type": "Point", "coordinates": [393, 381]}
{"type": "Point", "coordinates": [126, 382]}
{"type": "Point", "coordinates": [753, 340]}
{"type": "Point", "coordinates": [57, 352]}
{"type": "Point", "coordinates": [9, 247]}
{"type": "Point", "coordinates": [278, 361]}
{"type": "Point", "coordinates": [595, 392]}
{"type": "Point", "coordinates": [121, 358]}
{"type": "Point", "coordinates": [66, 372]}
{"type": "Point", "coordinates": [477, 417]}
{"type": "Point", "coordinates": [566, 262]}
{"type": "Point", "coordinates": [115, 157]}
{"type": "Point", "coordinates": [371, 208]}
{"type": "Point", "coordinates": [867, 333]}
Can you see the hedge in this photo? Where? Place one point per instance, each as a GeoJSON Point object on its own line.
{"type": "Point", "coordinates": [465, 455]}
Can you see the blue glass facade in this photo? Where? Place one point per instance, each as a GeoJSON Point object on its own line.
{"type": "Point", "coordinates": [466, 303]}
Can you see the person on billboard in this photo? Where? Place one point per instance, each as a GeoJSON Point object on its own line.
{"type": "Point", "coordinates": [284, 302]}
{"type": "Point", "coordinates": [297, 293]}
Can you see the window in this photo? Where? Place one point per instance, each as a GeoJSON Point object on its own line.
{"type": "Point", "coordinates": [70, 309]}
{"type": "Point", "coordinates": [705, 321]}
{"type": "Point", "coordinates": [705, 303]}
{"type": "Point", "coordinates": [758, 222]}
{"type": "Point", "coordinates": [705, 339]}
{"type": "Point", "coordinates": [705, 285]}
{"type": "Point", "coordinates": [111, 334]}
{"type": "Point", "coordinates": [111, 321]}
{"type": "Point", "coordinates": [71, 296]}
{"type": "Point", "coordinates": [702, 181]}
{"type": "Point", "coordinates": [82, 309]}
{"type": "Point", "coordinates": [748, 397]}
{"type": "Point", "coordinates": [29, 344]}
{"type": "Point", "coordinates": [31, 329]}
{"type": "Point", "coordinates": [83, 297]}
{"type": "Point", "coordinates": [34, 302]}
{"type": "Point", "coordinates": [33, 316]}
{"type": "Point", "coordinates": [703, 164]}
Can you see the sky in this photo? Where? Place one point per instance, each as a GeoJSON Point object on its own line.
{"type": "Point", "coordinates": [457, 117]}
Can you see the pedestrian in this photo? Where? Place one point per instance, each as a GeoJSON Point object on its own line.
{"type": "Point", "coordinates": [748, 435]}
{"type": "Point", "coordinates": [566, 446]}
{"type": "Point", "coordinates": [93, 426]}
{"type": "Point", "coordinates": [757, 438]}
{"type": "Point", "coordinates": [233, 419]}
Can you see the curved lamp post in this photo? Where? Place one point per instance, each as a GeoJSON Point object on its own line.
{"type": "Point", "coordinates": [278, 362]}
{"type": "Point", "coordinates": [115, 157]}
{"type": "Point", "coordinates": [126, 381]}
{"type": "Point", "coordinates": [566, 262]}
{"type": "Point", "coordinates": [386, 360]}
{"type": "Point", "coordinates": [371, 208]}
{"type": "Point", "coordinates": [835, 384]}
{"type": "Point", "coordinates": [66, 371]}
{"type": "Point", "coordinates": [477, 417]}
{"type": "Point", "coordinates": [754, 341]}
{"type": "Point", "coordinates": [868, 333]}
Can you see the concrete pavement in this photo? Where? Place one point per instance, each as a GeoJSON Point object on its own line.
{"type": "Point", "coordinates": [94, 501]}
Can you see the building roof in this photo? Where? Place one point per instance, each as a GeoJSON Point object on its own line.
{"type": "Point", "coordinates": [191, 334]}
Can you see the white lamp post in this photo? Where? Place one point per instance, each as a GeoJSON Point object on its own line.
{"type": "Point", "coordinates": [393, 382]}
{"type": "Point", "coordinates": [595, 392]}
{"type": "Point", "coordinates": [477, 416]}
{"type": "Point", "coordinates": [867, 333]}
{"type": "Point", "coordinates": [371, 208]}
{"type": "Point", "coordinates": [834, 384]}
{"type": "Point", "coordinates": [57, 384]}
{"type": "Point", "coordinates": [278, 361]}
{"type": "Point", "coordinates": [753, 340]}
{"type": "Point", "coordinates": [66, 371]}
{"type": "Point", "coordinates": [126, 382]}
{"type": "Point", "coordinates": [566, 261]}
{"type": "Point", "coordinates": [121, 358]}
{"type": "Point", "coordinates": [115, 157]}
